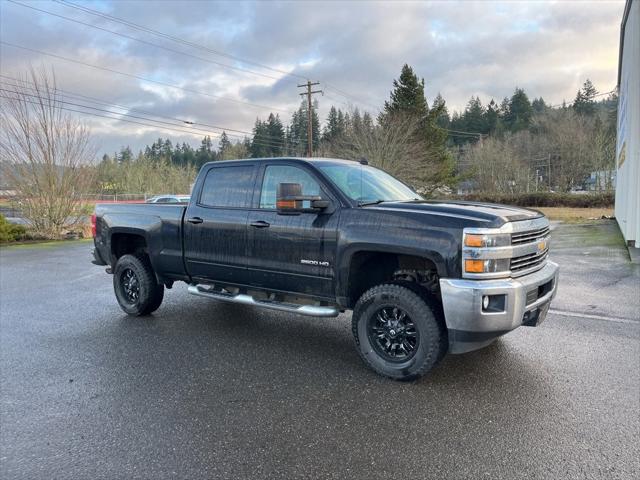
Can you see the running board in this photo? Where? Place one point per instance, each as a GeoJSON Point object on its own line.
{"type": "Point", "coordinates": [309, 310]}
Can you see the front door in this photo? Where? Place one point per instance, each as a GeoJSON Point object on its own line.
{"type": "Point", "coordinates": [215, 224]}
{"type": "Point", "coordinates": [292, 253]}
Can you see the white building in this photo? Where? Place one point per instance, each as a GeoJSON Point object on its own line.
{"type": "Point", "coordinates": [628, 141]}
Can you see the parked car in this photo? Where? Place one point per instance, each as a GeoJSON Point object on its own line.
{"type": "Point", "coordinates": [321, 236]}
{"type": "Point", "coordinates": [169, 199]}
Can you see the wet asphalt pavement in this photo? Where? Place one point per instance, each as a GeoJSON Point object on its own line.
{"type": "Point", "coordinates": [207, 390]}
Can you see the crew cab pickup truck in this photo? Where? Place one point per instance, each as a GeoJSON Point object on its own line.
{"type": "Point", "coordinates": [318, 237]}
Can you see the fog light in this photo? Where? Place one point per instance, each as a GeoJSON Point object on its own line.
{"type": "Point", "coordinates": [485, 302]}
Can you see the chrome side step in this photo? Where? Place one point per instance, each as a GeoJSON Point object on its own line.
{"type": "Point", "coordinates": [309, 310]}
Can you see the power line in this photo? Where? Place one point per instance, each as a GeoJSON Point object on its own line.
{"type": "Point", "coordinates": [157, 123]}
{"type": "Point", "coordinates": [195, 45]}
{"type": "Point", "coordinates": [174, 39]}
{"type": "Point", "coordinates": [124, 107]}
{"type": "Point", "coordinates": [202, 47]}
{"type": "Point", "coordinates": [596, 95]}
{"type": "Point", "coordinates": [144, 41]}
{"type": "Point", "coordinates": [138, 77]}
{"type": "Point", "coordinates": [347, 95]}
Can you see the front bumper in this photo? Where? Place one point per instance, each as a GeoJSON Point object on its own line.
{"type": "Point", "coordinates": [525, 302]}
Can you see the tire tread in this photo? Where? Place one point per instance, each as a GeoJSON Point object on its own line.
{"type": "Point", "coordinates": [420, 301]}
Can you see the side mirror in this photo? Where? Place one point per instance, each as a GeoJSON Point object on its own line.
{"type": "Point", "coordinates": [291, 201]}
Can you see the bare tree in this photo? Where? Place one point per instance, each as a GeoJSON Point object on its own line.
{"type": "Point", "coordinates": [496, 166]}
{"type": "Point", "coordinates": [45, 153]}
{"type": "Point", "coordinates": [392, 148]}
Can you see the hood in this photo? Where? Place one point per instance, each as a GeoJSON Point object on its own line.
{"type": "Point", "coordinates": [491, 213]}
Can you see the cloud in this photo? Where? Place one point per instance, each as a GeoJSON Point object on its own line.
{"type": "Point", "coordinates": [460, 48]}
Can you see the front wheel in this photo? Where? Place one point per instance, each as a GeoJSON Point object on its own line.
{"type": "Point", "coordinates": [398, 332]}
{"type": "Point", "coordinates": [135, 285]}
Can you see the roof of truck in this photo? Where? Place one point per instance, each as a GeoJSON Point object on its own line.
{"type": "Point", "coordinates": [271, 159]}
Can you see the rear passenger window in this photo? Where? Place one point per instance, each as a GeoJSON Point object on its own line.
{"type": "Point", "coordinates": [228, 187]}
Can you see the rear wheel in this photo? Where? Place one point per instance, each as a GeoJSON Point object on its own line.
{"type": "Point", "coordinates": [399, 333]}
{"type": "Point", "coordinates": [135, 286]}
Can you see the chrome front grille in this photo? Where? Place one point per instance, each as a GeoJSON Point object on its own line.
{"type": "Point", "coordinates": [513, 250]}
{"type": "Point", "coordinates": [530, 236]}
{"type": "Point", "coordinates": [524, 263]}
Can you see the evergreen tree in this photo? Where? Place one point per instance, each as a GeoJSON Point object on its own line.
{"type": "Point", "coordinates": [356, 123]}
{"type": "Point", "coordinates": [491, 115]}
{"type": "Point", "coordinates": [297, 133]}
{"type": "Point", "coordinates": [268, 138]}
{"type": "Point", "coordinates": [166, 149]}
{"type": "Point", "coordinates": [539, 105]}
{"type": "Point", "coordinates": [275, 132]}
{"type": "Point", "coordinates": [125, 155]}
{"type": "Point", "coordinates": [520, 111]}
{"type": "Point", "coordinates": [474, 116]}
{"type": "Point", "coordinates": [205, 153]}
{"type": "Point", "coordinates": [224, 145]}
{"type": "Point", "coordinates": [260, 137]}
{"type": "Point", "coordinates": [331, 129]}
{"type": "Point", "coordinates": [367, 122]}
{"type": "Point", "coordinates": [584, 103]}
{"type": "Point", "coordinates": [407, 100]}
{"type": "Point", "coordinates": [443, 120]}
{"type": "Point", "coordinates": [407, 96]}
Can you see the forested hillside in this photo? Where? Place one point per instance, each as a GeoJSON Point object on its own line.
{"type": "Point", "coordinates": [514, 145]}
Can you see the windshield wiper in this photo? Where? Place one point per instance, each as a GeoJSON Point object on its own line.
{"type": "Point", "coordinates": [373, 202]}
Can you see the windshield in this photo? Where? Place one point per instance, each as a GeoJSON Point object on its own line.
{"type": "Point", "coordinates": [366, 184]}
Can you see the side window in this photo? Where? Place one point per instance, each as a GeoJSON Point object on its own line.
{"type": "Point", "coordinates": [228, 187]}
{"type": "Point", "coordinates": [275, 174]}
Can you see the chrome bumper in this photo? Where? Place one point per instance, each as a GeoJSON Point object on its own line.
{"type": "Point", "coordinates": [526, 302]}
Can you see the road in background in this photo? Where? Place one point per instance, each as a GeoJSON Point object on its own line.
{"type": "Point", "coordinates": [208, 390]}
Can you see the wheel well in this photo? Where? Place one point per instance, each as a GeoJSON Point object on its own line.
{"type": "Point", "coordinates": [368, 269]}
{"type": "Point", "coordinates": [124, 243]}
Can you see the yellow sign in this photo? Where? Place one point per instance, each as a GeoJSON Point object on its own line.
{"type": "Point", "coordinates": [623, 154]}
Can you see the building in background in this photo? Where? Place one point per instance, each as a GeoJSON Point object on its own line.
{"type": "Point", "coordinates": [628, 136]}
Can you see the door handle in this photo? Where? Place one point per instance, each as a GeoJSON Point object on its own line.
{"type": "Point", "coordinates": [195, 220]}
{"type": "Point", "coordinates": [260, 224]}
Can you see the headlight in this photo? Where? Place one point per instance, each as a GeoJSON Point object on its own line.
{"type": "Point", "coordinates": [484, 254]}
{"type": "Point", "coordinates": [486, 266]}
{"type": "Point", "coordinates": [486, 240]}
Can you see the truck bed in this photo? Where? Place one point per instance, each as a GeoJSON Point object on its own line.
{"type": "Point", "coordinates": [159, 224]}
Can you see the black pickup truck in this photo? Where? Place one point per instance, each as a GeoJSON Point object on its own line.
{"type": "Point", "coordinates": [321, 236]}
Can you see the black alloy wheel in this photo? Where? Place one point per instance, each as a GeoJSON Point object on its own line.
{"type": "Point", "coordinates": [135, 285]}
{"type": "Point", "coordinates": [399, 330]}
{"type": "Point", "coordinates": [393, 334]}
{"type": "Point", "coordinates": [130, 285]}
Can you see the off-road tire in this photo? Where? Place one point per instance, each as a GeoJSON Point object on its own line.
{"type": "Point", "coordinates": [150, 292]}
{"type": "Point", "coordinates": [427, 318]}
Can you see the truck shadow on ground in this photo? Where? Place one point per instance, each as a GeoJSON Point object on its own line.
{"type": "Point", "coordinates": [281, 348]}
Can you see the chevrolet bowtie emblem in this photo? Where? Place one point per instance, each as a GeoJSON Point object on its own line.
{"type": "Point", "coordinates": [542, 245]}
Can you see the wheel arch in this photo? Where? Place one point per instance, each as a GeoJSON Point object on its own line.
{"type": "Point", "coordinates": [369, 267]}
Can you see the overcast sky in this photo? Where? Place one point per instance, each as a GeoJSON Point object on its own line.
{"type": "Point", "coordinates": [353, 48]}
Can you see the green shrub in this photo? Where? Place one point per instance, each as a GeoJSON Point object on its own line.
{"type": "Point", "coordinates": [10, 232]}
{"type": "Point", "coordinates": [545, 199]}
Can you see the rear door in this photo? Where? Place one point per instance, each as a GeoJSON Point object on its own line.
{"type": "Point", "coordinates": [215, 224]}
{"type": "Point", "coordinates": [292, 253]}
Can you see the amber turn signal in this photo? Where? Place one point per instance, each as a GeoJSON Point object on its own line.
{"type": "Point", "coordinates": [473, 241]}
{"type": "Point", "coordinates": [474, 266]}
{"type": "Point", "coordinates": [286, 204]}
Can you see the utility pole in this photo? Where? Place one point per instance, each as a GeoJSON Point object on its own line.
{"type": "Point", "coordinates": [308, 93]}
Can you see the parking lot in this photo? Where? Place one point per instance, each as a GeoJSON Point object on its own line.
{"type": "Point", "coordinates": [208, 390]}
